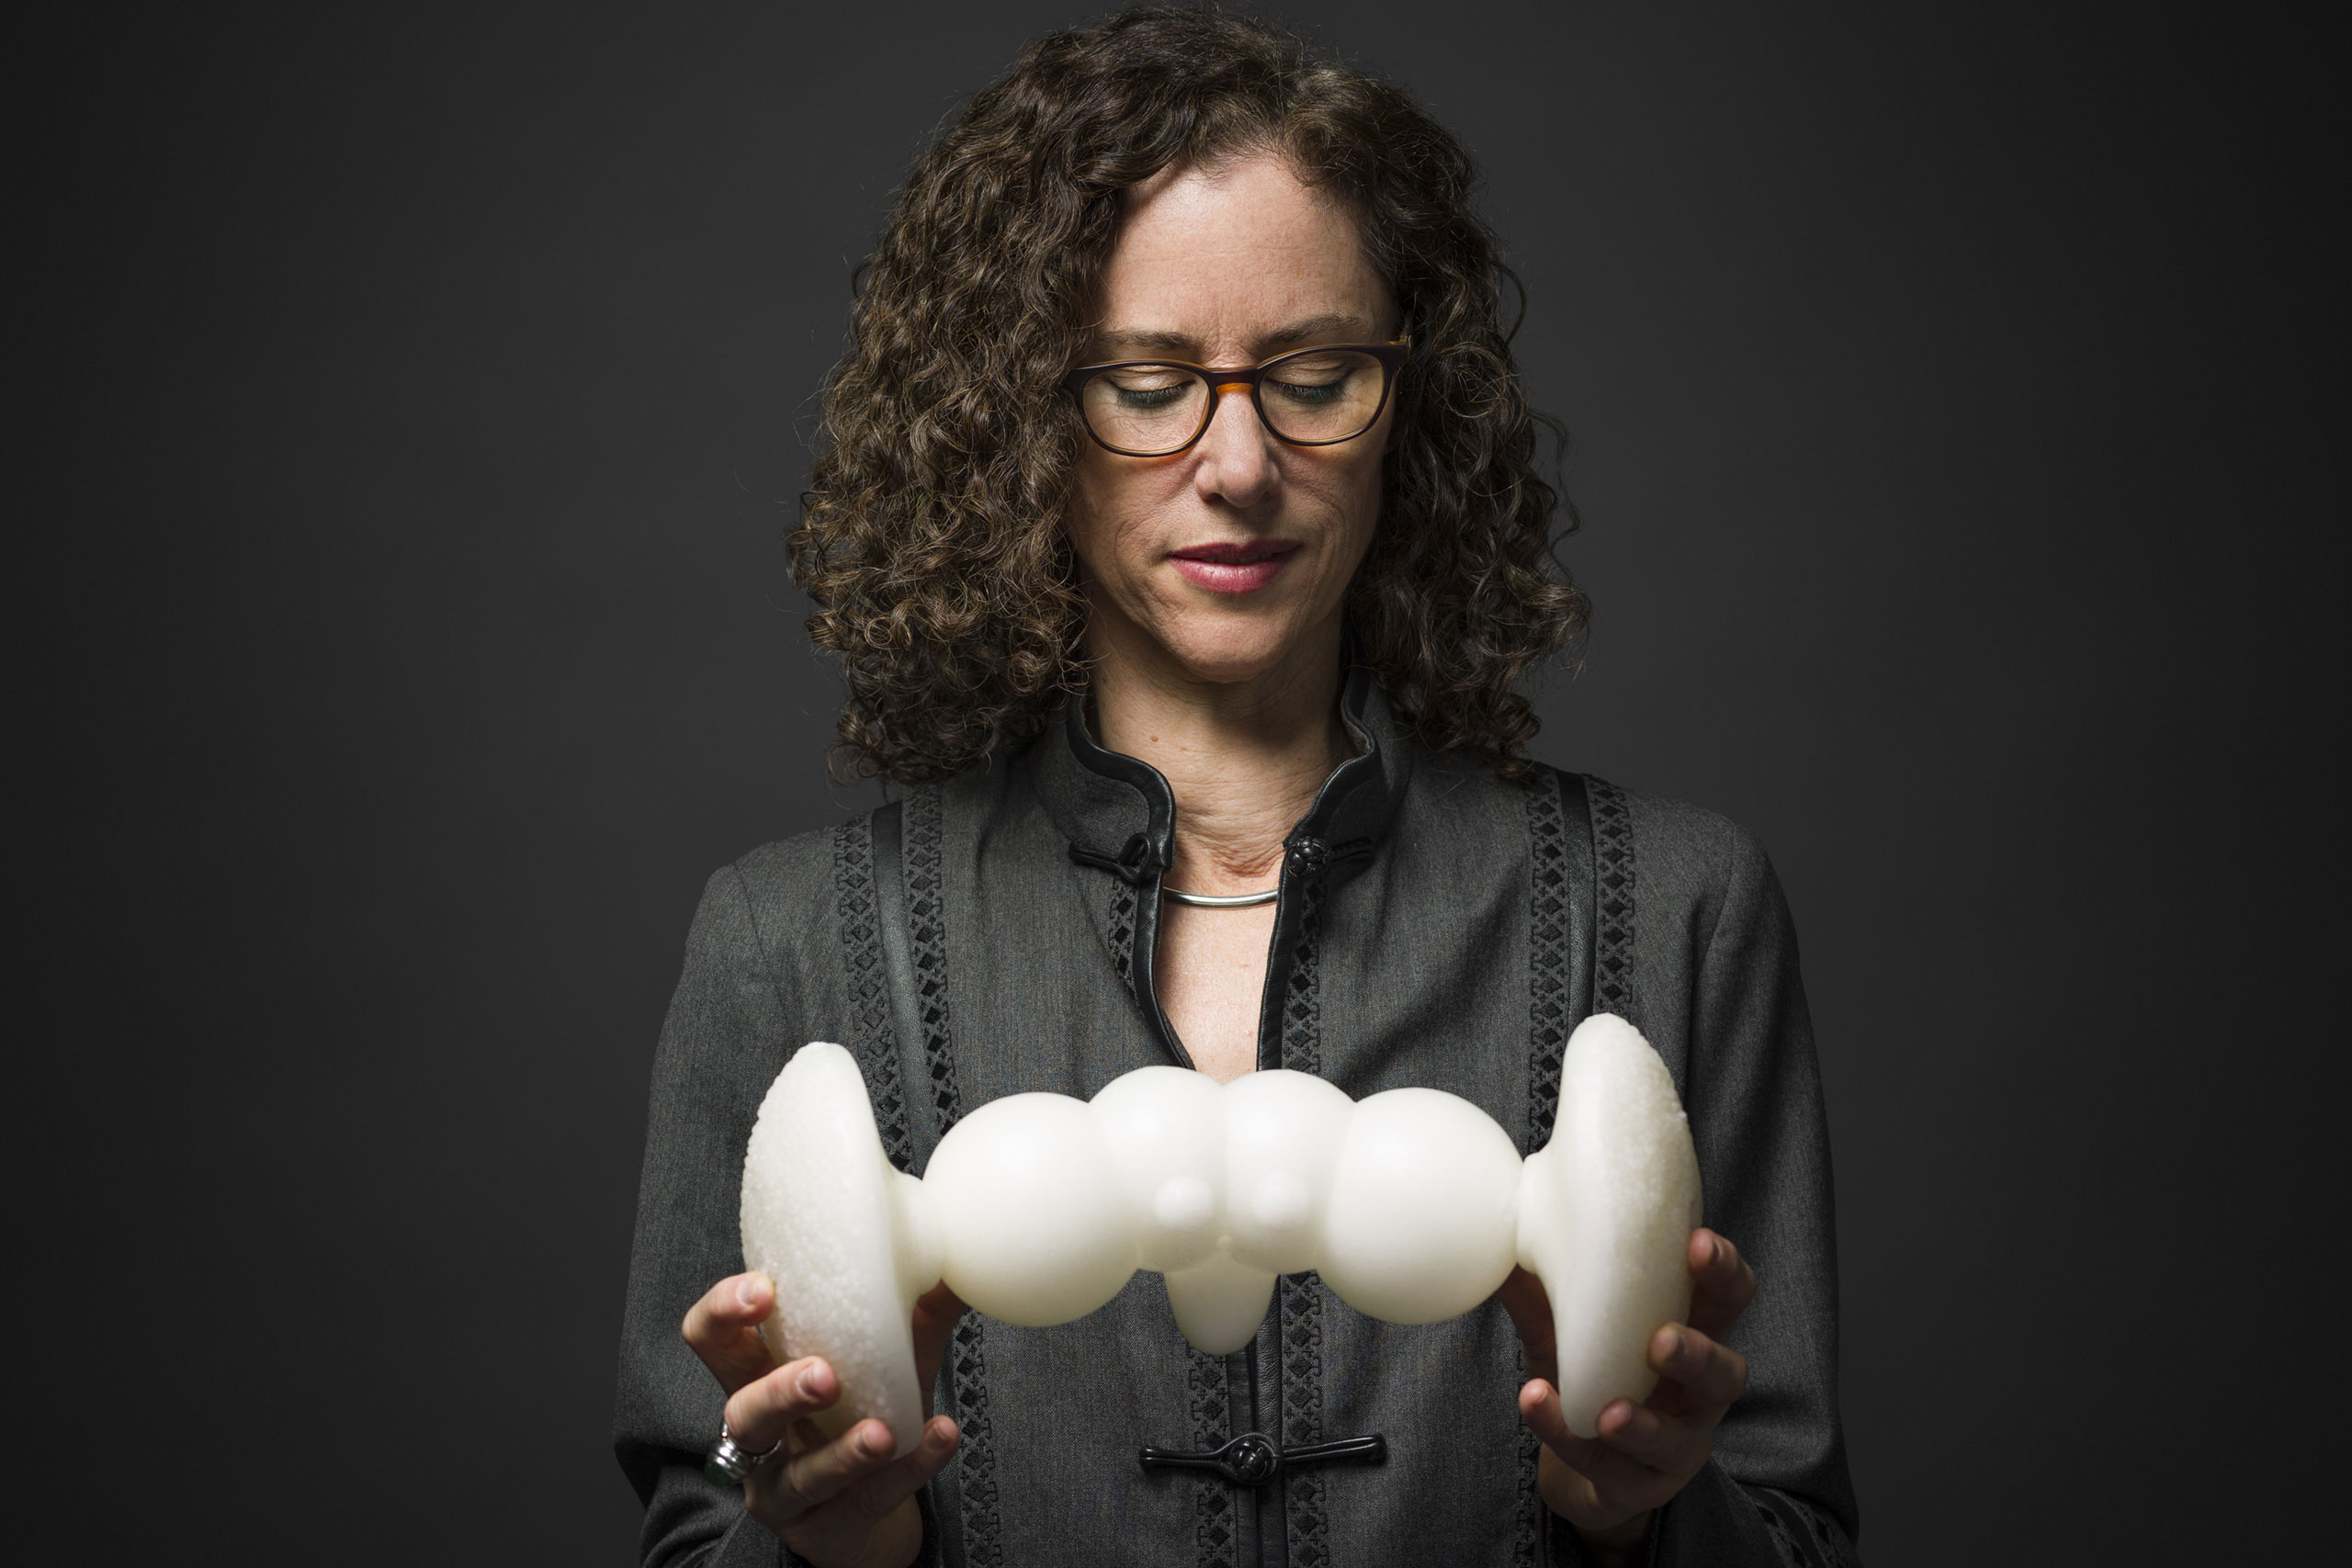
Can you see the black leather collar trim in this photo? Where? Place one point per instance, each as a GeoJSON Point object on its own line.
{"type": "Point", "coordinates": [1125, 823]}
{"type": "Point", "coordinates": [1144, 854]}
{"type": "Point", "coordinates": [1311, 838]}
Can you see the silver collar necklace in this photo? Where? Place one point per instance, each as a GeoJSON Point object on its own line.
{"type": "Point", "coordinates": [1220, 900]}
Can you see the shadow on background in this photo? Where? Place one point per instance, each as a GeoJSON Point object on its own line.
{"type": "Point", "coordinates": [434, 386]}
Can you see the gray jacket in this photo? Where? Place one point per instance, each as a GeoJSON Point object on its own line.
{"type": "Point", "coordinates": [994, 933]}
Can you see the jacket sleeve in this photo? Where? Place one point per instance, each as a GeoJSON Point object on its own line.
{"type": "Point", "coordinates": [1776, 1493]}
{"type": "Point", "coordinates": [729, 1030]}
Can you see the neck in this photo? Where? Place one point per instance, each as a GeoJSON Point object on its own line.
{"type": "Point", "coordinates": [1243, 758]}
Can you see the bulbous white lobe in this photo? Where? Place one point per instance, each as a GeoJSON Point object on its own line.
{"type": "Point", "coordinates": [1423, 1221]}
{"type": "Point", "coordinates": [1282, 1132]}
{"type": "Point", "coordinates": [1219, 1304]}
{"type": "Point", "coordinates": [1035, 1223]}
{"type": "Point", "coordinates": [1166, 1127]}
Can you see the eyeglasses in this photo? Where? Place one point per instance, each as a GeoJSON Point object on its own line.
{"type": "Point", "coordinates": [1315, 396]}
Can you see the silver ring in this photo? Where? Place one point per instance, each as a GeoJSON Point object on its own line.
{"type": "Point", "coordinates": [728, 1464]}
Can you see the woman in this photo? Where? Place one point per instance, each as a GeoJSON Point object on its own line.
{"type": "Point", "coordinates": [1136, 635]}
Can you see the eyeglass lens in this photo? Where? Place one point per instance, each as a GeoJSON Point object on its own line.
{"type": "Point", "coordinates": [1151, 409]}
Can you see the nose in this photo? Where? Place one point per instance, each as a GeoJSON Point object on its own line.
{"type": "Point", "coordinates": [1237, 463]}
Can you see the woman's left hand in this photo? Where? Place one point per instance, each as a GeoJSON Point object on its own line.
{"type": "Point", "coordinates": [1609, 1487]}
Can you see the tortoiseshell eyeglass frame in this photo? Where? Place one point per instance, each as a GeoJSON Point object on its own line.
{"type": "Point", "coordinates": [1391, 357]}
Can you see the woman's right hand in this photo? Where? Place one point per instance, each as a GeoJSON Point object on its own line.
{"type": "Point", "coordinates": [841, 1502]}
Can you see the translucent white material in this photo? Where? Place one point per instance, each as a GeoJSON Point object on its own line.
{"type": "Point", "coordinates": [1423, 1223]}
{"type": "Point", "coordinates": [1036, 1208]}
{"type": "Point", "coordinates": [1035, 1224]}
{"type": "Point", "coordinates": [849, 1240]}
{"type": "Point", "coordinates": [1606, 1209]}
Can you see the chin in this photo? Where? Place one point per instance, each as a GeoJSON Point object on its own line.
{"type": "Point", "coordinates": [1240, 649]}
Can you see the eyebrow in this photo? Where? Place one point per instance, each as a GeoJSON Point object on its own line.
{"type": "Point", "coordinates": [1147, 341]}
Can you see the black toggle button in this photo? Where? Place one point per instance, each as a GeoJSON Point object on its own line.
{"type": "Point", "coordinates": [1135, 858]}
{"type": "Point", "coordinates": [1137, 861]}
{"type": "Point", "coordinates": [1252, 1459]}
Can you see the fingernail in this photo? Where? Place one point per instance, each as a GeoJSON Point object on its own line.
{"type": "Point", "coordinates": [875, 1443]}
{"type": "Point", "coordinates": [747, 1292]}
{"type": "Point", "coordinates": [1673, 1345]}
{"type": "Point", "coordinates": [809, 1382]}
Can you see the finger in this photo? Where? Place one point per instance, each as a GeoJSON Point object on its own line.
{"type": "Point", "coordinates": [1523, 1296]}
{"type": "Point", "coordinates": [1711, 1374]}
{"type": "Point", "coordinates": [861, 1503]}
{"type": "Point", "coordinates": [759, 1413]}
{"type": "Point", "coordinates": [809, 1481]}
{"type": "Point", "coordinates": [936, 1315]}
{"type": "Point", "coordinates": [1724, 1283]}
{"type": "Point", "coordinates": [1540, 1408]}
{"type": "Point", "coordinates": [723, 1329]}
{"type": "Point", "coordinates": [1673, 1445]}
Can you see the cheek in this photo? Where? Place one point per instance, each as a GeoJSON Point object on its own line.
{"type": "Point", "coordinates": [1369, 478]}
{"type": "Point", "coordinates": [1364, 493]}
{"type": "Point", "coordinates": [1108, 510]}
{"type": "Point", "coordinates": [1087, 519]}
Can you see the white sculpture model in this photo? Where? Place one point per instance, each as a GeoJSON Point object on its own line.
{"type": "Point", "coordinates": [1036, 1208]}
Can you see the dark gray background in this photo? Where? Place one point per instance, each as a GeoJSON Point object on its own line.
{"type": "Point", "coordinates": [430, 386]}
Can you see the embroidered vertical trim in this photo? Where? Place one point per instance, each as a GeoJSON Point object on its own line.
{"type": "Point", "coordinates": [1123, 932]}
{"type": "Point", "coordinates": [1804, 1535]}
{"type": "Point", "coordinates": [1302, 1049]}
{"type": "Point", "coordinates": [975, 1459]}
{"type": "Point", "coordinates": [1527, 1545]}
{"type": "Point", "coordinates": [1214, 1530]}
{"type": "Point", "coordinates": [975, 1482]}
{"type": "Point", "coordinates": [1836, 1550]}
{"type": "Point", "coordinates": [1613, 904]}
{"type": "Point", "coordinates": [1548, 1025]}
{"type": "Point", "coordinates": [874, 1046]}
{"type": "Point", "coordinates": [927, 939]}
{"type": "Point", "coordinates": [1784, 1545]}
{"type": "Point", "coordinates": [1307, 1524]}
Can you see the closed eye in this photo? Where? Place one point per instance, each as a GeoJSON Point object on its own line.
{"type": "Point", "coordinates": [1150, 397]}
{"type": "Point", "coordinates": [1312, 394]}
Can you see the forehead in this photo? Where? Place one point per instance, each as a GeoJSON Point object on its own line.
{"type": "Point", "coordinates": [1227, 259]}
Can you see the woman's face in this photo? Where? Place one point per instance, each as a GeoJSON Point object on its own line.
{"type": "Point", "coordinates": [1230, 557]}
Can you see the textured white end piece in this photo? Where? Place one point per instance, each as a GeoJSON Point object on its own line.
{"type": "Point", "coordinates": [1220, 1302]}
{"type": "Point", "coordinates": [1283, 1131]}
{"type": "Point", "coordinates": [1423, 1218]}
{"type": "Point", "coordinates": [849, 1246]}
{"type": "Point", "coordinates": [1166, 1127]}
{"type": "Point", "coordinates": [1605, 1215]}
{"type": "Point", "coordinates": [1033, 1219]}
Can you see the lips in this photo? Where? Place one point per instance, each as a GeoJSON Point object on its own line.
{"type": "Point", "coordinates": [1237, 568]}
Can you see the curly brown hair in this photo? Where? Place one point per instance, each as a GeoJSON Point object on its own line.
{"type": "Point", "coordinates": [932, 537]}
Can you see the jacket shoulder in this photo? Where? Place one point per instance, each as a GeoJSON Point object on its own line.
{"type": "Point", "coordinates": [1679, 831]}
{"type": "Point", "coordinates": [779, 898]}
{"type": "Point", "coordinates": [797, 866]}
{"type": "Point", "coordinates": [1681, 856]}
